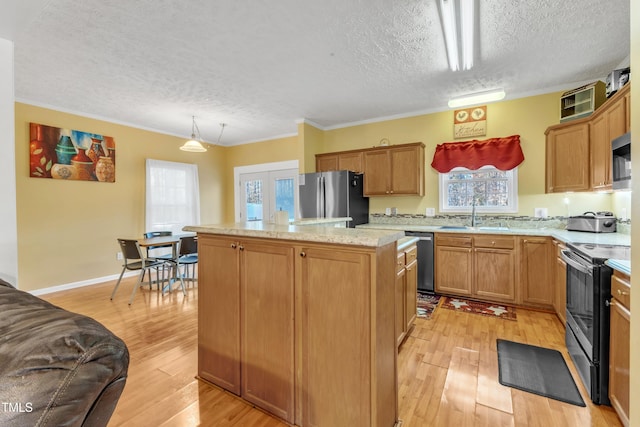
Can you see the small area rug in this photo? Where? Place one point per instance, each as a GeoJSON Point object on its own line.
{"type": "Point", "coordinates": [537, 370]}
{"type": "Point", "coordinates": [483, 308]}
{"type": "Point", "coordinates": [427, 304]}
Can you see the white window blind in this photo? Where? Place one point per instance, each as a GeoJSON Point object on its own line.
{"type": "Point", "coordinates": [172, 196]}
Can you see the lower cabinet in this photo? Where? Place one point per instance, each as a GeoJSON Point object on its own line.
{"type": "Point", "coordinates": [481, 266]}
{"type": "Point", "coordinates": [248, 348]}
{"type": "Point", "coordinates": [560, 282]}
{"type": "Point", "coordinates": [305, 332]}
{"type": "Point", "coordinates": [453, 264]}
{"type": "Point", "coordinates": [619, 345]}
{"type": "Point", "coordinates": [536, 281]}
{"type": "Point", "coordinates": [406, 296]}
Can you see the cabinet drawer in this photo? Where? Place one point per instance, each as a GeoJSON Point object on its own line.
{"type": "Point", "coordinates": [400, 262]}
{"type": "Point", "coordinates": [451, 240]}
{"type": "Point", "coordinates": [621, 289]}
{"type": "Point", "coordinates": [500, 242]}
{"type": "Point", "coordinates": [410, 255]}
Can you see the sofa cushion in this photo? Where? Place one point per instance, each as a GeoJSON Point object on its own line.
{"type": "Point", "coordinates": [57, 368]}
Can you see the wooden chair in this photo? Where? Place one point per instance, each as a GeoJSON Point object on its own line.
{"type": "Point", "coordinates": [134, 259]}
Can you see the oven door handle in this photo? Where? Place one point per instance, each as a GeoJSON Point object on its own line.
{"type": "Point", "coordinates": [566, 257]}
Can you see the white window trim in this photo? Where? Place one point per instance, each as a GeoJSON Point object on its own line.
{"type": "Point", "coordinates": [263, 167]}
{"type": "Point", "coordinates": [513, 196]}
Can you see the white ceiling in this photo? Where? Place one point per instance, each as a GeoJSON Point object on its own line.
{"type": "Point", "coordinates": [261, 66]}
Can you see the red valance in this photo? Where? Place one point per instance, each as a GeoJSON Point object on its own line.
{"type": "Point", "coordinates": [503, 153]}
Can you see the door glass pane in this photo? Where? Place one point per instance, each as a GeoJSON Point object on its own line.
{"type": "Point", "coordinates": [254, 199]}
{"type": "Point", "coordinates": [284, 191]}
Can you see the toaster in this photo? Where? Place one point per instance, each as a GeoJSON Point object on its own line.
{"type": "Point", "coordinates": [592, 222]}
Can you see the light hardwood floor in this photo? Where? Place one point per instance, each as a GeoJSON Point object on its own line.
{"type": "Point", "coordinates": [448, 368]}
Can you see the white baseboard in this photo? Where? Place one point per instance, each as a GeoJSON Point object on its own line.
{"type": "Point", "coordinates": [82, 283]}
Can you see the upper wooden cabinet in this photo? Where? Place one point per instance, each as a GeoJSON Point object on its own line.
{"type": "Point", "coordinates": [567, 167]}
{"type": "Point", "coordinates": [347, 160]}
{"type": "Point", "coordinates": [578, 154]}
{"type": "Point", "coordinates": [394, 171]}
{"type": "Point", "coordinates": [388, 171]}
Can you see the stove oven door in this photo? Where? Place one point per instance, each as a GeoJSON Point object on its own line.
{"type": "Point", "coordinates": [580, 319]}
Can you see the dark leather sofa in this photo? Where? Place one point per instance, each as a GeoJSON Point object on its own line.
{"type": "Point", "coordinates": [57, 368]}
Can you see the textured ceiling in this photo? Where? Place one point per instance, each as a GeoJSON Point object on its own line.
{"type": "Point", "coordinates": [261, 66]}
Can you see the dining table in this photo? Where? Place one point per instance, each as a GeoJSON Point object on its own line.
{"type": "Point", "coordinates": [167, 241]}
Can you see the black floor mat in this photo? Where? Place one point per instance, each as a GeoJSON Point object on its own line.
{"type": "Point", "coordinates": [537, 370]}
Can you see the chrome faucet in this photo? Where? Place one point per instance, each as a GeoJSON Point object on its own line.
{"type": "Point", "coordinates": [473, 212]}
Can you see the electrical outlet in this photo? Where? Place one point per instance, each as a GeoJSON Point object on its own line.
{"type": "Point", "coordinates": [540, 212]}
{"type": "Point", "coordinates": [119, 256]}
{"type": "Point", "coordinates": [430, 212]}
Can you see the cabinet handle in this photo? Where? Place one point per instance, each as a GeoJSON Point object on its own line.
{"type": "Point", "coordinates": [610, 303]}
{"type": "Point", "coordinates": [493, 243]}
{"type": "Point", "coordinates": [525, 241]}
{"type": "Point", "coordinates": [303, 254]}
{"type": "Point", "coordinates": [391, 191]}
{"type": "Point", "coordinates": [622, 292]}
{"type": "Point", "coordinates": [241, 247]}
{"type": "Point", "coordinates": [233, 246]}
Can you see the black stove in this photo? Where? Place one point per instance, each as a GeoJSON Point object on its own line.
{"type": "Point", "coordinates": [599, 253]}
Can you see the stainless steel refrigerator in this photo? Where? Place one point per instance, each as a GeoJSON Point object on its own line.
{"type": "Point", "coordinates": [333, 195]}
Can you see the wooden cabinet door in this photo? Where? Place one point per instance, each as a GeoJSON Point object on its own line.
{"type": "Point", "coordinates": [335, 337]}
{"type": "Point", "coordinates": [627, 104]}
{"type": "Point", "coordinates": [567, 158]}
{"type": "Point", "coordinates": [560, 284]}
{"type": "Point", "coordinates": [400, 323]}
{"type": "Point", "coordinates": [535, 277]}
{"type": "Point", "coordinates": [406, 175]}
{"type": "Point", "coordinates": [376, 173]}
{"type": "Point", "coordinates": [326, 163]}
{"type": "Point", "coordinates": [619, 357]}
{"type": "Point", "coordinates": [267, 358]}
{"type": "Point", "coordinates": [494, 273]}
{"type": "Point", "coordinates": [411, 294]}
{"type": "Point", "coordinates": [453, 270]}
{"type": "Point", "coordinates": [219, 312]}
{"type": "Point", "coordinates": [600, 153]}
{"type": "Point", "coordinates": [351, 162]}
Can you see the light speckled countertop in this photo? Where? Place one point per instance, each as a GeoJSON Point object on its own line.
{"type": "Point", "coordinates": [320, 221]}
{"type": "Point", "coordinates": [621, 265]}
{"type": "Point", "coordinates": [563, 235]}
{"type": "Point", "coordinates": [306, 233]}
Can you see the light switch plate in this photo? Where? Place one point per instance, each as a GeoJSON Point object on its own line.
{"type": "Point", "coordinates": [540, 212]}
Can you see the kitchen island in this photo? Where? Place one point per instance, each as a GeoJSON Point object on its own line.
{"type": "Point", "coordinates": [299, 320]}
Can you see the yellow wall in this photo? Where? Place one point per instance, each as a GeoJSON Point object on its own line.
{"type": "Point", "coordinates": [67, 230]}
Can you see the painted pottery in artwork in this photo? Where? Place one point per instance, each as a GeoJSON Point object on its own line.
{"type": "Point", "coordinates": [41, 155]}
{"type": "Point", "coordinates": [105, 170]}
{"type": "Point", "coordinates": [63, 171]}
{"type": "Point", "coordinates": [96, 150]}
{"type": "Point", "coordinates": [84, 166]}
{"type": "Point", "coordinates": [65, 150]}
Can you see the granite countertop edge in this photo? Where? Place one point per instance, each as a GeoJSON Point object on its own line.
{"type": "Point", "coordinates": [622, 265]}
{"type": "Point", "coordinates": [304, 233]}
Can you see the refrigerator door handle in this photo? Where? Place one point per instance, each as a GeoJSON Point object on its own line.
{"type": "Point", "coordinates": [323, 201]}
{"type": "Point", "coordinates": [319, 198]}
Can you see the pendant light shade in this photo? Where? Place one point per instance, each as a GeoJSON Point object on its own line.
{"type": "Point", "coordinates": [194, 145]}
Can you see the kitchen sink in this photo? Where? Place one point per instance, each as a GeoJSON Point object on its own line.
{"type": "Point", "coordinates": [493, 228]}
{"type": "Point", "coordinates": [454, 227]}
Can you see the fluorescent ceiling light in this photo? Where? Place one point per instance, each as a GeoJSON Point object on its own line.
{"type": "Point", "coordinates": [458, 19]}
{"type": "Point", "coordinates": [477, 98]}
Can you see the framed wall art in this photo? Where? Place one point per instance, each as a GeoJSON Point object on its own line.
{"type": "Point", "coordinates": [470, 122]}
{"type": "Point", "coordinates": [70, 154]}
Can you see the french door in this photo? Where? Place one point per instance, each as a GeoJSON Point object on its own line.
{"type": "Point", "coordinates": [261, 194]}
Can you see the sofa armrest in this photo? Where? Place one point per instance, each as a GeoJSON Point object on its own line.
{"type": "Point", "coordinates": [57, 368]}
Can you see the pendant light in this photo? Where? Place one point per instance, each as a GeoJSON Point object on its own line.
{"type": "Point", "coordinates": [194, 145]}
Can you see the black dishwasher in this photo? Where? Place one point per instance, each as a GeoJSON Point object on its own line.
{"type": "Point", "coordinates": [425, 259]}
